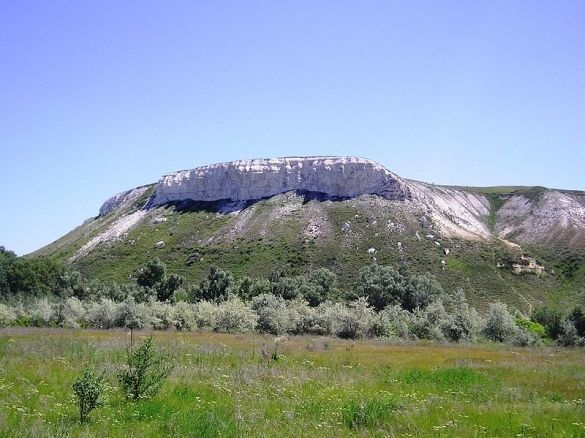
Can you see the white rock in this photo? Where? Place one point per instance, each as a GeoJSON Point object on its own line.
{"type": "Point", "coordinates": [372, 250]}
{"type": "Point", "coordinates": [446, 250]}
{"type": "Point", "coordinates": [160, 245]}
{"type": "Point", "coordinates": [122, 200]}
{"type": "Point", "coordinates": [430, 236]}
{"type": "Point", "coordinates": [345, 177]}
{"type": "Point", "coordinates": [159, 220]}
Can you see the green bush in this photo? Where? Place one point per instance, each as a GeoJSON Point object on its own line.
{"type": "Point", "coordinates": [531, 327]}
{"type": "Point", "coordinates": [145, 371]}
{"type": "Point", "coordinates": [88, 389]}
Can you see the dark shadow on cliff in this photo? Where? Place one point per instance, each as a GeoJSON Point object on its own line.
{"type": "Point", "coordinates": [226, 206]}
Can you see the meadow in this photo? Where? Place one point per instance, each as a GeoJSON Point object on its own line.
{"type": "Point", "coordinates": [254, 385]}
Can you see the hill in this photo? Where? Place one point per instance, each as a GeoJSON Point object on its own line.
{"type": "Point", "coordinates": [522, 245]}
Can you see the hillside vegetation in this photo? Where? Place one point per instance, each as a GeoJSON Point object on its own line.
{"type": "Point", "coordinates": [298, 233]}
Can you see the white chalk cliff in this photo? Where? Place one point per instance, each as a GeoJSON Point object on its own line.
{"type": "Point", "coordinates": [454, 212]}
{"type": "Point", "coordinates": [343, 177]}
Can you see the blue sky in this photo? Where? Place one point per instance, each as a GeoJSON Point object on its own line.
{"type": "Point", "coordinates": [100, 96]}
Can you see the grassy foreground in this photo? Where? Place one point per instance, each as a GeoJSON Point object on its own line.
{"type": "Point", "coordinates": [248, 385]}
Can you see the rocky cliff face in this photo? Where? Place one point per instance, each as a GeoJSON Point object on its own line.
{"type": "Point", "coordinates": [525, 215]}
{"type": "Point", "coordinates": [122, 200]}
{"type": "Point", "coordinates": [342, 177]}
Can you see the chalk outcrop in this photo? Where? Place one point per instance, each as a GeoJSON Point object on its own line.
{"type": "Point", "coordinates": [122, 200]}
{"type": "Point", "coordinates": [339, 177]}
{"type": "Point", "coordinates": [525, 215]}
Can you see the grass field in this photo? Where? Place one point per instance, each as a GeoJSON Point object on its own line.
{"type": "Point", "coordinates": [248, 385]}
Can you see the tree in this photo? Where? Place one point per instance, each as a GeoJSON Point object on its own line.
{"type": "Point", "coordinates": [577, 317]}
{"type": "Point", "coordinates": [154, 281]}
{"type": "Point", "coordinates": [152, 274]}
{"type": "Point", "coordinates": [420, 291]}
{"type": "Point", "coordinates": [249, 288]}
{"type": "Point", "coordinates": [216, 287]}
{"type": "Point", "coordinates": [7, 259]}
{"type": "Point", "coordinates": [321, 287]}
{"type": "Point", "coordinates": [71, 284]}
{"type": "Point", "coordinates": [32, 277]}
{"type": "Point", "coordinates": [551, 319]}
{"type": "Point", "coordinates": [288, 288]}
{"type": "Point", "coordinates": [165, 290]}
{"type": "Point", "coordinates": [381, 285]}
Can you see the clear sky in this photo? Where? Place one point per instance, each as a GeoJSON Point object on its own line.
{"type": "Point", "coordinates": [100, 96]}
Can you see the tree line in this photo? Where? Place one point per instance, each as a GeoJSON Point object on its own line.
{"type": "Point", "coordinates": [383, 302]}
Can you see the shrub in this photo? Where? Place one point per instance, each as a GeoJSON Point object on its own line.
{"type": "Point", "coordinates": [392, 322]}
{"type": "Point", "coordinates": [205, 314]}
{"type": "Point", "coordinates": [297, 312]}
{"type": "Point", "coordinates": [234, 316]}
{"type": "Point", "coordinates": [88, 389]}
{"type": "Point", "coordinates": [531, 327]}
{"type": "Point", "coordinates": [41, 312]}
{"type": "Point", "coordinates": [569, 336]}
{"type": "Point", "coordinates": [356, 320]}
{"type": "Point", "coordinates": [184, 316]}
{"type": "Point", "coordinates": [132, 315]}
{"type": "Point", "coordinates": [272, 314]}
{"type": "Point", "coordinates": [429, 323]}
{"type": "Point", "coordinates": [70, 313]}
{"type": "Point", "coordinates": [316, 320]}
{"type": "Point", "coordinates": [162, 315]}
{"type": "Point", "coordinates": [500, 325]}
{"type": "Point", "coordinates": [7, 315]}
{"type": "Point", "coordinates": [145, 371]}
{"type": "Point", "coordinates": [102, 315]}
